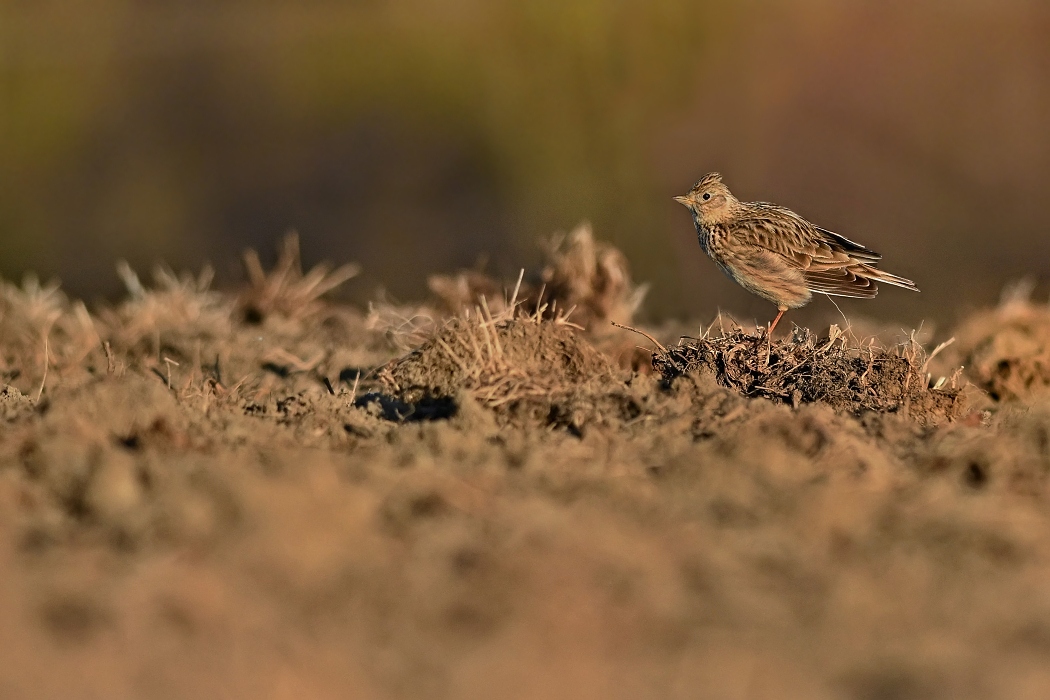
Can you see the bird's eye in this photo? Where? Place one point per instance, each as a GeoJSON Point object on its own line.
{"type": "Point", "coordinates": [707, 196]}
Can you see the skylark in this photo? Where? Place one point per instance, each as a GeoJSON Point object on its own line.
{"type": "Point", "coordinates": [773, 252]}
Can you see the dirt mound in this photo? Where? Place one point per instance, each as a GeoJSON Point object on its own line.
{"type": "Point", "coordinates": [1006, 350]}
{"type": "Point", "coordinates": [582, 279]}
{"type": "Point", "coordinates": [808, 369]}
{"type": "Point", "coordinates": [515, 365]}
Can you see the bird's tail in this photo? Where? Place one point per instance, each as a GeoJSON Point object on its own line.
{"type": "Point", "coordinates": [880, 276]}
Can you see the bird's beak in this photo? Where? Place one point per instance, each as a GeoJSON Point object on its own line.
{"type": "Point", "coordinates": [682, 200]}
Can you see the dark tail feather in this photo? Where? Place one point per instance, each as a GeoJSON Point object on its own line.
{"type": "Point", "coordinates": [896, 281]}
{"type": "Point", "coordinates": [855, 249]}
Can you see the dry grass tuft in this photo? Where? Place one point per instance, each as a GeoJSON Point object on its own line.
{"type": "Point", "coordinates": [463, 290]}
{"type": "Point", "coordinates": [584, 279]}
{"type": "Point", "coordinates": [177, 304]}
{"type": "Point", "coordinates": [286, 290]}
{"type": "Point", "coordinates": [42, 330]}
{"type": "Point", "coordinates": [592, 278]}
{"type": "Point", "coordinates": [502, 359]}
{"type": "Point", "coordinates": [831, 370]}
{"type": "Point", "coordinates": [404, 326]}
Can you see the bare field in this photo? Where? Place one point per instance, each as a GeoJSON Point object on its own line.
{"type": "Point", "coordinates": [496, 493]}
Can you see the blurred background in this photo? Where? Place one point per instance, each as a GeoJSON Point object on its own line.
{"type": "Point", "coordinates": [421, 136]}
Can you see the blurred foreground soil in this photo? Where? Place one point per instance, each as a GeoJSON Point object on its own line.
{"type": "Point", "coordinates": [495, 493]}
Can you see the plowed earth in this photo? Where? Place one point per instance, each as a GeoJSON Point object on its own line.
{"type": "Point", "coordinates": [266, 495]}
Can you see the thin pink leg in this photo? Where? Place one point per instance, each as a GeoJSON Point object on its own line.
{"type": "Point", "coordinates": [775, 321]}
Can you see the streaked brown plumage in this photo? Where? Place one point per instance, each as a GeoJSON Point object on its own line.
{"type": "Point", "coordinates": [773, 252]}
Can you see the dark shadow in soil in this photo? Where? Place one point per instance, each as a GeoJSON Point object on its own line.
{"type": "Point", "coordinates": [427, 408]}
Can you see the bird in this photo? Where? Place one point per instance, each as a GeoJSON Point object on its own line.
{"type": "Point", "coordinates": [776, 254]}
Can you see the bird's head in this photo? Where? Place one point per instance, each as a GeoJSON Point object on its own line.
{"type": "Point", "coordinates": [710, 201]}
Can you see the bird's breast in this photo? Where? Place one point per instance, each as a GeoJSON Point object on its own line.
{"type": "Point", "coordinates": [703, 234]}
{"type": "Point", "coordinates": [711, 241]}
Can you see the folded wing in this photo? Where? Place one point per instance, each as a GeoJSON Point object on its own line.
{"type": "Point", "coordinates": [830, 263]}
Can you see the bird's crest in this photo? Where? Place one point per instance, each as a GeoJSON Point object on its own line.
{"type": "Point", "coordinates": [707, 181]}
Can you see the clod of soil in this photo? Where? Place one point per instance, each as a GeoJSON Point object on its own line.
{"type": "Point", "coordinates": [14, 404]}
{"type": "Point", "coordinates": [808, 369]}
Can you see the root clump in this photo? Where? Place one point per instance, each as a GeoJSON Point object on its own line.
{"type": "Point", "coordinates": [810, 369]}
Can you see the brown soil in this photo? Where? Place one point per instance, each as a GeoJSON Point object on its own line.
{"type": "Point", "coordinates": [263, 495]}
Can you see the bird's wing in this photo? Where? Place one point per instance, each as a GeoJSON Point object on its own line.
{"type": "Point", "coordinates": [855, 250]}
{"type": "Point", "coordinates": [806, 246]}
{"type": "Point", "coordinates": [830, 263]}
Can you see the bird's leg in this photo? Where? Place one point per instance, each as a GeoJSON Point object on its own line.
{"type": "Point", "coordinates": [776, 320]}
{"type": "Point", "coordinates": [769, 333]}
